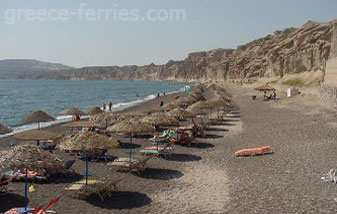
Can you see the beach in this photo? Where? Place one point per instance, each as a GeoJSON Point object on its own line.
{"type": "Point", "coordinates": [207, 177]}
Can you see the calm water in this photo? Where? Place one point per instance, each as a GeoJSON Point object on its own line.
{"type": "Point", "coordinates": [20, 97]}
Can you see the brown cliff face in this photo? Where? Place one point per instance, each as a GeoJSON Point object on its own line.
{"type": "Point", "coordinates": [292, 50]}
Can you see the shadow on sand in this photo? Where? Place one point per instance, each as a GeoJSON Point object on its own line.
{"type": "Point", "coordinates": [184, 158]}
{"type": "Point", "coordinates": [129, 146]}
{"type": "Point", "coordinates": [10, 201]}
{"type": "Point", "coordinates": [199, 145]}
{"type": "Point", "coordinates": [160, 174]}
{"type": "Point", "coordinates": [222, 123]}
{"type": "Point", "coordinates": [64, 179]}
{"type": "Point", "coordinates": [121, 200]}
{"type": "Point", "coordinates": [212, 136]}
{"type": "Point", "coordinates": [216, 130]}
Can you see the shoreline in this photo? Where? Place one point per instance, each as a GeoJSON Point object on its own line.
{"type": "Point", "coordinates": [142, 104]}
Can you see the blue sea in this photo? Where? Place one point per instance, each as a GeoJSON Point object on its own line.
{"type": "Point", "coordinates": [21, 97]}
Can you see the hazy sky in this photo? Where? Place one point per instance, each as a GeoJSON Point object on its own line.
{"type": "Point", "coordinates": [86, 38]}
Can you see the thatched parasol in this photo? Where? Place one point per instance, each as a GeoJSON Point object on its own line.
{"type": "Point", "coordinates": [80, 124]}
{"type": "Point", "coordinates": [106, 119]}
{"type": "Point", "coordinates": [28, 157]}
{"type": "Point", "coordinates": [73, 111]}
{"type": "Point", "coordinates": [134, 114]}
{"type": "Point", "coordinates": [5, 129]}
{"type": "Point", "coordinates": [180, 113]}
{"type": "Point", "coordinates": [87, 142]}
{"type": "Point", "coordinates": [265, 88]}
{"type": "Point", "coordinates": [196, 111]}
{"type": "Point", "coordinates": [160, 119]}
{"type": "Point", "coordinates": [36, 135]}
{"type": "Point", "coordinates": [217, 103]}
{"type": "Point", "coordinates": [95, 110]}
{"type": "Point", "coordinates": [168, 106]}
{"type": "Point", "coordinates": [38, 117]}
{"type": "Point", "coordinates": [132, 126]}
{"type": "Point", "coordinates": [200, 105]}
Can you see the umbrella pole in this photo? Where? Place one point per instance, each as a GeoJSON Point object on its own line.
{"type": "Point", "coordinates": [26, 190]}
{"type": "Point", "coordinates": [86, 170]}
{"type": "Point", "coordinates": [130, 147]}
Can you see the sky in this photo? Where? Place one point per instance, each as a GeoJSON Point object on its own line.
{"type": "Point", "coordinates": [132, 32]}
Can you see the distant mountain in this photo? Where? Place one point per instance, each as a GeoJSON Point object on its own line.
{"type": "Point", "coordinates": [27, 68]}
{"type": "Point", "coordinates": [292, 51]}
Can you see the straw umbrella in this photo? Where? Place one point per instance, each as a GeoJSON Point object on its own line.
{"type": "Point", "coordinates": [133, 127]}
{"type": "Point", "coordinates": [160, 119]}
{"type": "Point", "coordinates": [80, 124]}
{"type": "Point", "coordinates": [107, 118]}
{"type": "Point", "coordinates": [180, 113]}
{"type": "Point", "coordinates": [5, 129]}
{"type": "Point", "coordinates": [38, 117]}
{"type": "Point", "coordinates": [87, 142]}
{"type": "Point", "coordinates": [265, 88]}
{"type": "Point", "coordinates": [73, 111]}
{"type": "Point", "coordinates": [95, 110]}
{"type": "Point", "coordinates": [29, 157]}
{"type": "Point", "coordinates": [36, 135]}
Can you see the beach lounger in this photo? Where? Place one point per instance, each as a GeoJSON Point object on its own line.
{"type": "Point", "coordinates": [21, 176]}
{"type": "Point", "coordinates": [37, 210]}
{"type": "Point", "coordinates": [254, 151]}
{"type": "Point", "coordinates": [165, 150]}
{"type": "Point", "coordinates": [101, 188]}
{"type": "Point", "coordinates": [129, 165]}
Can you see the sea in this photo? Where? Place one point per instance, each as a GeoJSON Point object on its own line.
{"type": "Point", "coordinates": [21, 97]}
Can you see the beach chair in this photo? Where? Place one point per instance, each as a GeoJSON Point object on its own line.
{"type": "Point", "coordinates": [165, 150]}
{"type": "Point", "coordinates": [254, 151]}
{"type": "Point", "coordinates": [37, 210]}
{"type": "Point", "coordinates": [130, 165]}
{"type": "Point", "coordinates": [3, 183]}
{"type": "Point", "coordinates": [101, 188]}
{"type": "Point", "coordinates": [20, 175]}
{"type": "Point", "coordinates": [186, 137]}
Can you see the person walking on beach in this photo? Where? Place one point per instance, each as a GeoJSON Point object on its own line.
{"type": "Point", "coordinates": [110, 106]}
{"type": "Point", "coordinates": [104, 106]}
{"type": "Point", "coordinates": [158, 95]}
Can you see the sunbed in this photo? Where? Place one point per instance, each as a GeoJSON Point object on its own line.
{"type": "Point", "coordinates": [37, 210]}
{"type": "Point", "coordinates": [20, 175]}
{"type": "Point", "coordinates": [129, 165]}
{"type": "Point", "coordinates": [101, 188]}
{"type": "Point", "coordinates": [165, 150]}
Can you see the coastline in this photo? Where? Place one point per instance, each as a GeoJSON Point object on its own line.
{"type": "Point", "coordinates": [140, 104]}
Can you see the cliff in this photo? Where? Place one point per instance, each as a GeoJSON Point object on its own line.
{"type": "Point", "coordinates": [293, 50]}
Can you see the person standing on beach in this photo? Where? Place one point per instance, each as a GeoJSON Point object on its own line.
{"type": "Point", "coordinates": [110, 106]}
{"type": "Point", "coordinates": [104, 106]}
{"type": "Point", "coordinates": [158, 95]}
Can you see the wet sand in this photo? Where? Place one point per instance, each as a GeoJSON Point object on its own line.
{"type": "Point", "coordinates": [208, 178]}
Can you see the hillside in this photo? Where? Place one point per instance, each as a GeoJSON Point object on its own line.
{"type": "Point", "coordinates": [26, 68]}
{"type": "Point", "coordinates": [291, 51]}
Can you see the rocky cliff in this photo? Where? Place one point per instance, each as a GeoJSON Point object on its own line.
{"type": "Point", "coordinates": [290, 51]}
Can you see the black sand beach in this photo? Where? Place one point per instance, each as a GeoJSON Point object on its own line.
{"type": "Point", "coordinates": [208, 178]}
